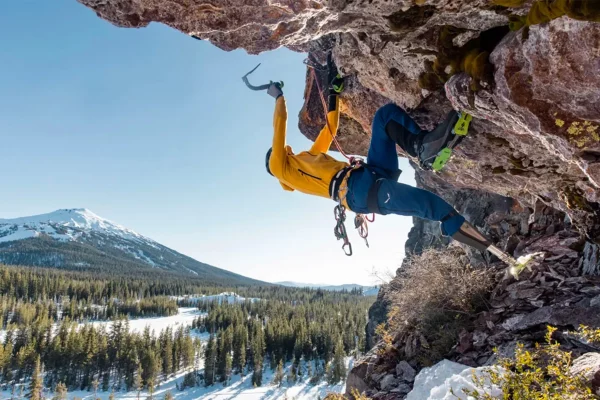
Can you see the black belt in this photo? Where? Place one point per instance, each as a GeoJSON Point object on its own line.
{"type": "Point", "coordinates": [372, 204]}
{"type": "Point", "coordinates": [336, 182]}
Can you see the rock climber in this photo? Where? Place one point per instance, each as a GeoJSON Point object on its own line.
{"type": "Point", "coordinates": [370, 187]}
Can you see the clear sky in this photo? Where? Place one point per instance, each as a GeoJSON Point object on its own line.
{"type": "Point", "coordinates": [155, 131]}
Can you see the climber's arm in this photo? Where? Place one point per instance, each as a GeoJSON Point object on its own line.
{"type": "Point", "coordinates": [278, 160]}
{"type": "Point", "coordinates": [323, 141]}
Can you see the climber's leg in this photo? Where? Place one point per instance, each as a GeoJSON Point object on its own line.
{"type": "Point", "coordinates": [400, 199]}
{"type": "Point", "coordinates": [391, 126]}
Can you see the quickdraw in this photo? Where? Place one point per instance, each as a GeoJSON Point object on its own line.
{"type": "Point", "coordinates": [360, 221]}
{"type": "Point", "coordinates": [339, 213]}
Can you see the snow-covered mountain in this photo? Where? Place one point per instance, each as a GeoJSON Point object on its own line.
{"type": "Point", "coordinates": [79, 239]}
{"type": "Point", "coordinates": [65, 225]}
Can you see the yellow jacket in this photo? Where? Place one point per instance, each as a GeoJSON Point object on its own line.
{"type": "Point", "coordinates": [308, 172]}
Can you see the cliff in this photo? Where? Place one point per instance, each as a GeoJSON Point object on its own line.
{"type": "Point", "coordinates": [528, 174]}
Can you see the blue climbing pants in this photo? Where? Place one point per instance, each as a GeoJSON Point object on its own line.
{"type": "Point", "coordinates": [394, 197]}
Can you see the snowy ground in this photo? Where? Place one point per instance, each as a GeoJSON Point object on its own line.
{"type": "Point", "coordinates": [447, 380]}
{"type": "Point", "coordinates": [184, 317]}
{"type": "Point", "coordinates": [239, 389]}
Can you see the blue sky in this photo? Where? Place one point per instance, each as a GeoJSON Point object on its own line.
{"type": "Point", "coordinates": [156, 131]}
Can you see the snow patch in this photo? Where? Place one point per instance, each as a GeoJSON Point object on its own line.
{"type": "Point", "coordinates": [446, 381]}
{"type": "Point", "coordinates": [225, 297]}
{"type": "Point", "coordinates": [185, 316]}
{"type": "Point", "coordinates": [20, 233]}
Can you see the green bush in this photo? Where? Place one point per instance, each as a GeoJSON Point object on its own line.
{"type": "Point", "coordinates": [542, 373]}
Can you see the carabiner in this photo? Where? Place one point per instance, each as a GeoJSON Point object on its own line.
{"type": "Point", "coordinates": [348, 252]}
{"type": "Point", "coordinates": [361, 226]}
{"type": "Point", "coordinates": [339, 213]}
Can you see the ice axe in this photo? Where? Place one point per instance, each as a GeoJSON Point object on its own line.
{"type": "Point", "coordinates": [260, 87]}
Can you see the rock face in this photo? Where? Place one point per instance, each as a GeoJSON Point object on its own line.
{"type": "Point", "coordinates": [548, 112]}
{"type": "Point", "coordinates": [536, 134]}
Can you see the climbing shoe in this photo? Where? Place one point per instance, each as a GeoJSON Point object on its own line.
{"type": "Point", "coordinates": [451, 133]}
{"type": "Point", "coordinates": [436, 140]}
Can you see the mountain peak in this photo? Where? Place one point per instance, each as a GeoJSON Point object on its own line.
{"type": "Point", "coordinates": [63, 224]}
{"type": "Point", "coordinates": [76, 238]}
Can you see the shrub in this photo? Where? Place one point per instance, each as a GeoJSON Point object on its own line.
{"type": "Point", "coordinates": [540, 373]}
{"type": "Point", "coordinates": [354, 396]}
{"type": "Point", "coordinates": [437, 294]}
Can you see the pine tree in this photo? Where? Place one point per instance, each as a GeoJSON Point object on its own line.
{"type": "Point", "coordinates": [278, 379]}
{"type": "Point", "coordinates": [95, 385]}
{"type": "Point", "coordinates": [167, 352]}
{"type": "Point", "coordinates": [151, 387]}
{"type": "Point", "coordinates": [210, 359]}
{"type": "Point", "coordinates": [224, 361]}
{"type": "Point", "coordinates": [292, 374]}
{"type": "Point", "coordinates": [187, 352]}
{"type": "Point", "coordinates": [138, 384]}
{"type": "Point", "coordinates": [36, 385]}
{"type": "Point", "coordinates": [60, 393]}
{"type": "Point", "coordinates": [227, 369]}
{"type": "Point", "coordinates": [151, 363]}
{"type": "Point", "coordinates": [240, 339]}
{"type": "Point", "coordinates": [337, 369]}
{"type": "Point", "coordinates": [258, 350]}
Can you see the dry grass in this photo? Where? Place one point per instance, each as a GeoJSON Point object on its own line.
{"type": "Point", "coordinates": [437, 294]}
{"type": "Point", "coordinates": [354, 396]}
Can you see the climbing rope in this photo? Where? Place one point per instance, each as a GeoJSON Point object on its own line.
{"type": "Point", "coordinates": [360, 220]}
{"type": "Point", "coordinates": [351, 159]}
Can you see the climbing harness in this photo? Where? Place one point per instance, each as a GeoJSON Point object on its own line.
{"type": "Point", "coordinates": [260, 87]}
{"type": "Point", "coordinates": [460, 130]}
{"type": "Point", "coordinates": [360, 220]}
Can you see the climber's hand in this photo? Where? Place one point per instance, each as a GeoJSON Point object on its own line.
{"type": "Point", "coordinates": [275, 90]}
{"type": "Point", "coordinates": [336, 82]}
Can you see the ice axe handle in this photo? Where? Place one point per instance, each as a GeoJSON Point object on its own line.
{"type": "Point", "coordinates": [260, 87]}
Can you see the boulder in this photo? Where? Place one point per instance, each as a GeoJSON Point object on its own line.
{"type": "Point", "coordinates": [388, 383]}
{"type": "Point", "coordinates": [588, 366]}
{"type": "Point", "coordinates": [405, 372]}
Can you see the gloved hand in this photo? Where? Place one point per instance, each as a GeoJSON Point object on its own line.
{"type": "Point", "coordinates": [336, 82]}
{"type": "Point", "coordinates": [275, 90]}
